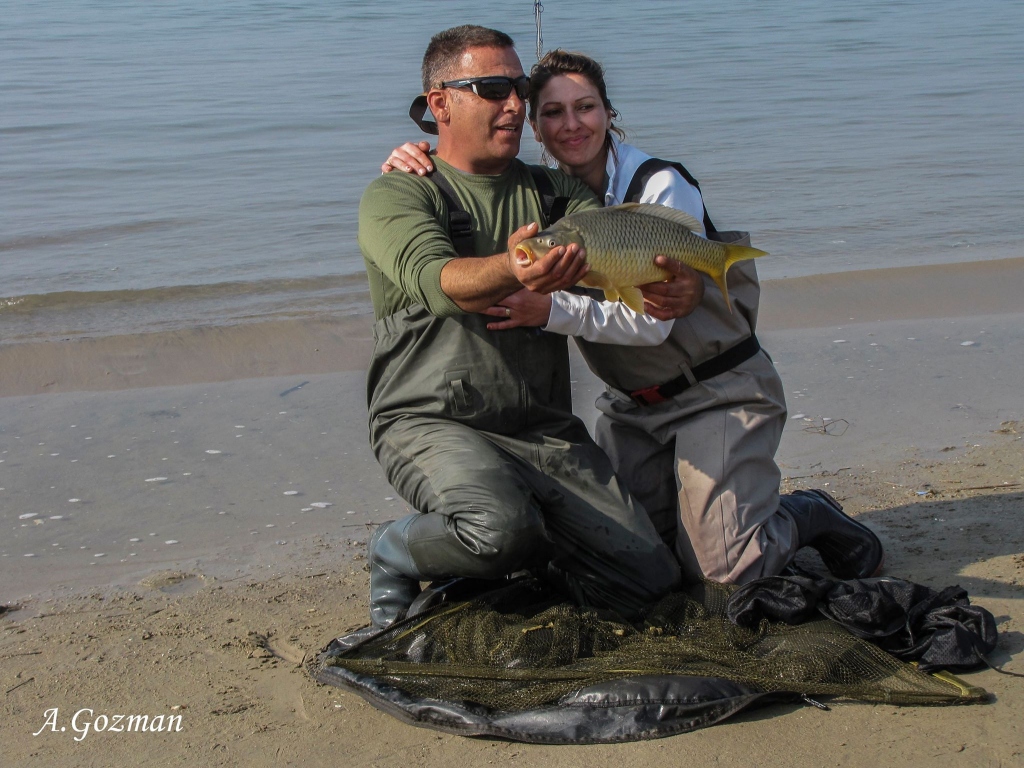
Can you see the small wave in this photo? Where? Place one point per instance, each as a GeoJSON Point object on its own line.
{"type": "Point", "coordinates": [86, 234]}
{"type": "Point", "coordinates": [83, 314]}
{"type": "Point", "coordinates": [72, 300]}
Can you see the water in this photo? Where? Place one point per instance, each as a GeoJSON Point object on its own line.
{"type": "Point", "coordinates": [168, 164]}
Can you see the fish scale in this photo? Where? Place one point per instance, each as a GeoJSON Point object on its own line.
{"type": "Point", "coordinates": [621, 242]}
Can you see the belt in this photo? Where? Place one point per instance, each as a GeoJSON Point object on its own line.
{"type": "Point", "coordinates": [726, 361]}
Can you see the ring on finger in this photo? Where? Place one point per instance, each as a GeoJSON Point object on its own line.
{"type": "Point", "coordinates": [508, 311]}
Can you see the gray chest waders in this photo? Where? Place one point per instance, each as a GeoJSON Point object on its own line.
{"type": "Point", "coordinates": [701, 346]}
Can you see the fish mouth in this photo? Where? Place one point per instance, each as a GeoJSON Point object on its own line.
{"type": "Point", "coordinates": [523, 255]}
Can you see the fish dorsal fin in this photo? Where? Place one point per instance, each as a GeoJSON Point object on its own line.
{"type": "Point", "coordinates": [662, 212]}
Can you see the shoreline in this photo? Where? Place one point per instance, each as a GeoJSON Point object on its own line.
{"type": "Point", "coordinates": [328, 345]}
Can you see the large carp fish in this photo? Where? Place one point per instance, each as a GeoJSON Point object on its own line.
{"type": "Point", "coordinates": [622, 240]}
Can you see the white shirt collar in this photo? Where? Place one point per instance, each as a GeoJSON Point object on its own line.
{"type": "Point", "coordinates": [611, 169]}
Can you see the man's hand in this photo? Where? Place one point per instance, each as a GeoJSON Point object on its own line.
{"type": "Point", "coordinates": [523, 233]}
{"type": "Point", "coordinates": [476, 284]}
{"type": "Point", "coordinates": [410, 158]}
{"type": "Point", "coordinates": [523, 307]}
{"type": "Point", "coordinates": [676, 297]}
{"type": "Point", "coordinates": [558, 269]}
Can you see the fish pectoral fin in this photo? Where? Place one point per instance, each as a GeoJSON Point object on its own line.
{"type": "Point", "coordinates": [594, 279]}
{"type": "Point", "coordinates": [681, 218]}
{"type": "Point", "coordinates": [628, 295]}
{"type": "Point", "coordinates": [632, 298]}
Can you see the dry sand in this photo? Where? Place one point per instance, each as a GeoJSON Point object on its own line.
{"type": "Point", "coordinates": [163, 439]}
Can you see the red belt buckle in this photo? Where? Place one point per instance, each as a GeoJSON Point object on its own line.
{"type": "Point", "coordinates": [648, 395]}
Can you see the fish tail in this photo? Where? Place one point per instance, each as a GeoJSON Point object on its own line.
{"type": "Point", "coordinates": [734, 253]}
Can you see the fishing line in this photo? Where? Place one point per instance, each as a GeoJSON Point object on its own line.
{"type": "Point", "coordinates": [538, 9]}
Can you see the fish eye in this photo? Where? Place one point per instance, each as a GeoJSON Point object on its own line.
{"type": "Point", "coordinates": [551, 242]}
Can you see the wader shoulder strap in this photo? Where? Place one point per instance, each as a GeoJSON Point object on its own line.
{"type": "Point", "coordinates": [552, 207]}
{"type": "Point", "coordinates": [650, 167]}
{"type": "Point", "coordinates": [460, 221]}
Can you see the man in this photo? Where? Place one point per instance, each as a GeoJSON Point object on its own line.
{"type": "Point", "coordinates": [474, 428]}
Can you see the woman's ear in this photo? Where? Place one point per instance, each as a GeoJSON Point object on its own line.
{"type": "Point", "coordinates": [536, 133]}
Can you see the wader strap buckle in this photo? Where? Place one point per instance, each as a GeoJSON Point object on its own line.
{"type": "Point", "coordinates": [717, 365]}
{"type": "Point", "coordinates": [461, 223]}
{"type": "Point", "coordinates": [648, 395]}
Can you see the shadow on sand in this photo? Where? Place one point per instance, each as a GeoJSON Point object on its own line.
{"type": "Point", "coordinates": [975, 542]}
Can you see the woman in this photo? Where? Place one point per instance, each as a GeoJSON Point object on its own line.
{"type": "Point", "coordinates": [694, 398]}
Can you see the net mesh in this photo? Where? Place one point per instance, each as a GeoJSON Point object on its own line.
{"type": "Point", "coordinates": [519, 648]}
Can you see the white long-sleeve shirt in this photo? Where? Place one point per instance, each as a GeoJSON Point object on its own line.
{"type": "Point", "coordinates": [612, 322]}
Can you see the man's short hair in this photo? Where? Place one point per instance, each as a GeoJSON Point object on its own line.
{"type": "Point", "coordinates": [446, 48]}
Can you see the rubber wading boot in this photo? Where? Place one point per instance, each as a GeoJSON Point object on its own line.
{"type": "Point", "coordinates": [849, 549]}
{"type": "Point", "coordinates": [394, 578]}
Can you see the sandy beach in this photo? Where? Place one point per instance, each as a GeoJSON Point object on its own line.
{"type": "Point", "coordinates": [185, 518]}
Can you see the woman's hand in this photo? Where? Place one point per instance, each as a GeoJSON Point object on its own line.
{"type": "Point", "coordinates": [676, 297]}
{"type": "Point", "coordinates": [410, 158]}
{"type": "Point", "coordinates": [522, 308]}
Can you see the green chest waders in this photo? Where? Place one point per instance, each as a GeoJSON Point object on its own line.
{"type": "Point", "coordinates": [474, 428]}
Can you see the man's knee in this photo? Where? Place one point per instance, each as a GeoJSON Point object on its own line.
{"type": "Point", "coordinates": [500, 550]}
{"type": "Point", "coordinates": [477, 545]}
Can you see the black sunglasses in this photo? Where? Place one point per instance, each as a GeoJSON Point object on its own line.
{"type": "Point", "coordinates": [495, 88]}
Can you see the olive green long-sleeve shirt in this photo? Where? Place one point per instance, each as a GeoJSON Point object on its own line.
{"type": "Point", "coordinates": [403, 228]}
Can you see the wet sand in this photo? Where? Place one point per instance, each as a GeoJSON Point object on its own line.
{"type": "Point", "coordinates": [196, 507]}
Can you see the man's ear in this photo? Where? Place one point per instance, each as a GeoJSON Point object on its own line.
{"type": "Point", "coordinates": [438, 101]}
